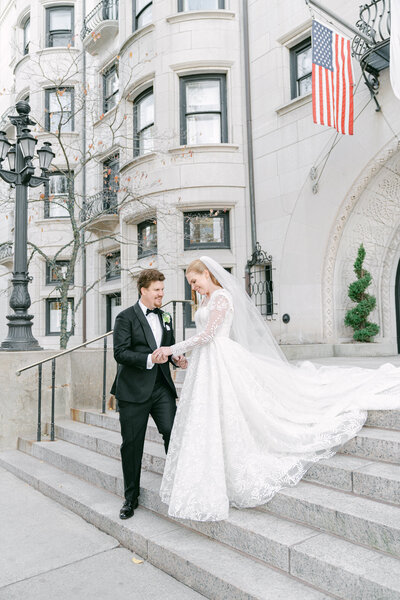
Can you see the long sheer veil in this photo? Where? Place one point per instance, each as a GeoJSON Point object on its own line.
{"type": "Point", "coordinates": [248, 328]}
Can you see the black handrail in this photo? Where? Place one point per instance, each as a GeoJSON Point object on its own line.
{"type": "Point", "coordinates": [54, 357]}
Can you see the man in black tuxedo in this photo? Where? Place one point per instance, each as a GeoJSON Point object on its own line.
{"type": "Point", "coordinates": [143, 385]}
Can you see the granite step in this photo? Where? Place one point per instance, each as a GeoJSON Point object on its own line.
{"type": "Point", "coordinates": [375, 444]}
{"type": "Point", "coordinates": [203, 564]}
{"type": "Point", "coordinates": [348, 473]}
{"type": "Point", "coordinates": [360, 520]}
{"type": "Point", "coordinates": [385, 419]}
{"type": "Point", "coordinates": [110, 420]}
{"type": "Point", "coordinates": [321, 560]}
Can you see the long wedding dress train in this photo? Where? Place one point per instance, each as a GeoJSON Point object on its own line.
{"type": "Point", "coordinates": [248, 425]}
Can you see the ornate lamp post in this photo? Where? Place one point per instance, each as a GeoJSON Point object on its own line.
{"type": "Point", "coordinates": [21, 175]}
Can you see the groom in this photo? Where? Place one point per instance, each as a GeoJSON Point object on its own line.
{"type": "Point", "coordinates": [143, 385]}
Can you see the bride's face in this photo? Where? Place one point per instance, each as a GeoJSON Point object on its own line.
{"type": "Point", "coordinates": [199, 282]}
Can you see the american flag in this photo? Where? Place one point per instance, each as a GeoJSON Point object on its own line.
{"type": "Point", "coordinates": [332, 79]}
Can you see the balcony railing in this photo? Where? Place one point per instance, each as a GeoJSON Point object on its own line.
{"type": "Point", "coordinates": [6, 250]}
{"type": "Point", "coordinates": [106, 10]}
{"type": "Point", "coordinates": [102, 203]}
{"type": "Point", "coordinates": [373, 56]}
{"type": "Point", "coordinates": [374, 22]}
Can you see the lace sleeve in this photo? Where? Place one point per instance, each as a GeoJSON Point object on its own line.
{"type": "Point", "coordinates": [219, 305]}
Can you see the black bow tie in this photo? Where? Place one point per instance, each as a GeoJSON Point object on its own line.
{"type": "Point", "coordinates": [156, 311]}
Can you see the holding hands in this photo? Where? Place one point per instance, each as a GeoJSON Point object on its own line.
{"type": "Point", "coordinates": [161, 355]}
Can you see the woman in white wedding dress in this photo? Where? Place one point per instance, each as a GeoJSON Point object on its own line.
{"type": "Point", "coordinates": [249, 423]}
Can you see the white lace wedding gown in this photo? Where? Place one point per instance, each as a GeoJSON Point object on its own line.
{"type": "Point", "coordinates": [246, 425]}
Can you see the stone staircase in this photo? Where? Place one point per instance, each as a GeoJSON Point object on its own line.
{"type": "Point", "coordinates": [335, 535]}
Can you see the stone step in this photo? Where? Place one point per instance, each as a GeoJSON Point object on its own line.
{"type": "Point", "coordinates": [110, 420]}
{"type": "Point", "coordinates": [375, 444]}
{"type": "Point", "coordinates": [387, 419]}
{"type": "Point", "coordinates": [324, 561]}
{"type": "Point", "coordinates": [348, 473]}
{"type": "Point", "coordinates": [206, 566]}
{"type": "Point", "coordinates": [360, 520]}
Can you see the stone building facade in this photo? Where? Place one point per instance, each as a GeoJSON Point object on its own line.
{"type": "Point", "coordinates": [184, 158]}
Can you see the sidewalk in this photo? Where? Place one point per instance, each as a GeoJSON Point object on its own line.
{"type": "Point", "coordinates": [47, 551]}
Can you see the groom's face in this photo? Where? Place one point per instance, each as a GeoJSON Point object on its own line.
{"type": "Point", "coordinates": [153, 295]}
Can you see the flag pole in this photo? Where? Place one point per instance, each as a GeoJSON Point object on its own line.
{"type": "Point", "coordinates": [368, 40]}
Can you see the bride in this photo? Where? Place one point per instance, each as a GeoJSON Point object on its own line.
{"type": "Point", "coordinates": [249, 423]}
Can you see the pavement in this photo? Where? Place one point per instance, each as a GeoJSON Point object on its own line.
{"type": "Point", "coordinates": [48, 551]}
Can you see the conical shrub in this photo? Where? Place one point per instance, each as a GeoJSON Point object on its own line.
{"type": "Point", "coordinates": [357, 317]}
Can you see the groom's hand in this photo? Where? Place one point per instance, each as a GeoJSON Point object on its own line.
{"type": "Point", "coordinates": [158, 358]}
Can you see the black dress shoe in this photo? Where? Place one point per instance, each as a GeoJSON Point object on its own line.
{"type": "Point", "coordinates": [128, 509]}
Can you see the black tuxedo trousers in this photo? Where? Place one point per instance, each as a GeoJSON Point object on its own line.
{"type": "Point", "coordinates": [133, 418]}
{"type": "Point", "coordinates": [140, 391]}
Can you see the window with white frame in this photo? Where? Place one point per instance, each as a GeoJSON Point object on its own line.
{"type": "Point", "coordinates": [186, 5]}
{"type": "Point", "coordinates": [60, 26]}
{"type": "Point", "coordinates": [142, 13]}
{"type": "Point", "coordinates": [53, 316]}
{"type": "Point", "coordinates": [59, 114]}
{"type": "Point", "coordinates": [203, 109]}
{"type": "Point", "coordinates": [143, 123]}
{"type": "Point", "coordinates": [56, 195]}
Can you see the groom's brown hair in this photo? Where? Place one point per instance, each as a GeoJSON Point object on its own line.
{"type": "Point", "coordinates": [147, 276]}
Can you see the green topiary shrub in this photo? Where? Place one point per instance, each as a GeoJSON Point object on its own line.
{"type": "Point", "coordinates": [357, 316]}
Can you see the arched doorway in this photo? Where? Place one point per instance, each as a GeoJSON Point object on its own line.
{"type": "Point", "coordinates": [397, 302]}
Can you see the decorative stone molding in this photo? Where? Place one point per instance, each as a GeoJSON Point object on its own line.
{"type": "Point", "coordinates": [373, 206]}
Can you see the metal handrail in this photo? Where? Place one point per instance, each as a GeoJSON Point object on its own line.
{"type": "Point", "coordinates": [53, 359]}
{"type": "Point", "coordinates": [40, 362]}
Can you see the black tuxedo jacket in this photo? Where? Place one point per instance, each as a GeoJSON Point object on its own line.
{"type": "Point", "coordinates": [133, 342]}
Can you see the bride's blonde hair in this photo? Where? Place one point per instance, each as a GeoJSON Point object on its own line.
{"type": "Point", "coordinates": [199, 267]}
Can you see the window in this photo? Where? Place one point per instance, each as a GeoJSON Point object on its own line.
{"type": "Point", "coordinates": [56, 195]}
{"type": "Point", "coordinates": [113, 265]}
{"type": "Point", "coordinates": [53, 316]}
{"type": "Point", "coordinates": [195, 297]}
{"type": "Point", "coordinates": [143, 123]}
{"type": "Point", "coordinates": [142, 13]}
{"type": "Point", "coordinates": [26, 28]}
{"type": "Point", "coordinates": [110, 10]}
{"type": "Point", "coordinates": [203, 109]}
{"type": "Point", "coordinates": [56, 271]}
{"type": "Point", "coordinates": [110, 183]}
{"type": "Point", "coordinates": [301, 68]}
{"type": "Point", "coordinates": [206, 230]}
{"type": "Point", "coordinates": [60, 110]}
{"type": "Point", "coordinates": [147, 238]}
{"type": "Point", "coordinates": [113, 307]}
{"type": "Point", "coordinates": [110, 88]}
{"type": "Point", "coordinates": [59, 26]}
{"type": "Point", "coordinates": [185, 5]}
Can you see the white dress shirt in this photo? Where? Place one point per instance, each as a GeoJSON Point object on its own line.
{"type": "Point", "coordinates": [155, 325]}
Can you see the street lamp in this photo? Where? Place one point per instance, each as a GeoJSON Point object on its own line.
{"type": "Point", "coordinates": [21, 175]}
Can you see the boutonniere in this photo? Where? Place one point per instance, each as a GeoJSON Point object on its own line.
{"type": "Point", "coordinates": [166, 317]}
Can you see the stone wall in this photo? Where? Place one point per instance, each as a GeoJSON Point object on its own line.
{"type": "Point", "coordinates": [79, 381]}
